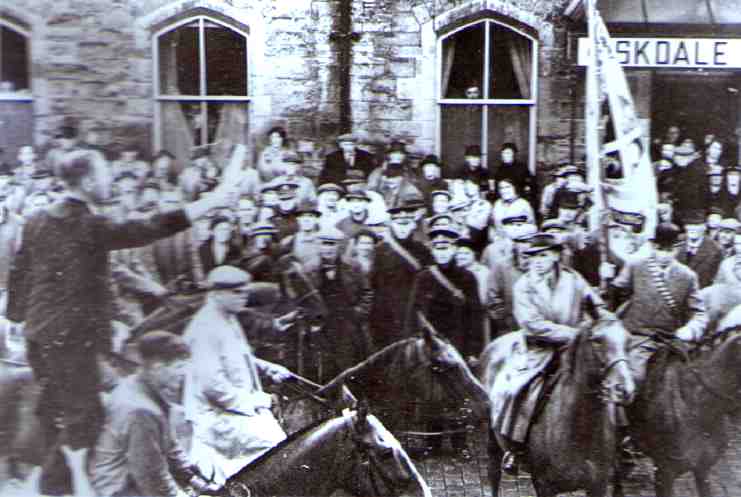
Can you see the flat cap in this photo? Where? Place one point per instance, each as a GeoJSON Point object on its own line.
{"type": "Point", "coordinates": [227, 277]}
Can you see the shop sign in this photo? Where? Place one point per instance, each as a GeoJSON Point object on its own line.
{"type": "Point", "coordinates": [675, 53]}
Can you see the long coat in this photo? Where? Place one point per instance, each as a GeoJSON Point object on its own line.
{"type": "Point", "coordinates": [705, 262]}
{"type": "Point", "coordinates": [335, 167]}
{"type": "Point", "coordinates": [550, 318]}
{"type": "Point", "coordinates": [392, 280]}
{"type": "Point", "coordinates": [60, 282]}
{"type": "Point", "coordinates": [223, 396]}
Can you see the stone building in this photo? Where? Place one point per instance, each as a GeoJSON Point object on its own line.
{"type": "Point", "coordinates": [440, 74]}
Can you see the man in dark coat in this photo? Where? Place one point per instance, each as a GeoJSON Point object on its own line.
{"type": "Point", "coordinates": [698, 251]}
{"type": "Point", "coordinates": [397, 261]}
{"type": "Point", "coordinates": [60, 288]}
{"type": "Point", "coordinates": [690, 183]}
{"type": "Point", "coordinates": [348, 157]}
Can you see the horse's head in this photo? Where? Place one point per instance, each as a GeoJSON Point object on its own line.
{"type": "Point", "coordinates": [612, 339]}
{"type": "Point", "coordinates": [381, 466]}
{"type": "Point", "coordinates": [449, 374]}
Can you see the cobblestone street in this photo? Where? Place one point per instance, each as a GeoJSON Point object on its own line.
{"type": "Point", "coordinates": [452, 476]}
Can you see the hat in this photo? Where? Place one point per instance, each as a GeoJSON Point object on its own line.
{"type": "Point", "coordinates": [227, 277]}
{"type": "Point", "coordinates": [162, 345]}
{"type": "Point", "coordinates": [515, 220]}
{"type": "Point", "coordinates": [553, 224]}
{"type": "Point", "coordinates": [408, 202]}
{"type": "Point", "coordinates": [694, 217]}
{"type": "Point", "coordinates": [541, 242]}
{"type": "Point", "coordinates": [459, 204]}
{"type": "Point", "coordinates": [330, 187]}
{"type": "Point", "coordinates": [354, 176]}
{"type": "Point", "coordinates": [151, 184]}
{"type": "Point", "coordinates": [42, 172]}
{"type": "Point", "coordinates": [684, 150]}
{"type": "Point", "coordinates": [286, 187]}
{"type": "Point", "coordinates": [430, 159]}
{"type": "Point", "coordinates": [397, 146]}
{"type": "Point", "coordinates": [523, 232]}
{"type": "Point", "coordinates": [733, 169]}
{"type": "Point", "coordinates": [269, 186]}
{"type": "Point", "coordinates": [509, 145]}
{"type": "Point", "coordinates": [307, 206]}
{"type": "Point", "coordinates": [472, 150]}
{"type": "Point", "coordinates": [465, 242]}
{"type": "Point", "coordinates": [441, 192]}
{"type": "Point", "coordinates": [715, 210]}
{"type": "Point", "coordinates": [443, 236]}
{"type": "Point", "coordinates": [569, 169]}
{"type": "Point", "coordinates": [634, 220]}
{"type": "Point", "coordinates": [438, 219]}
{"type": "Point", "coordinates": [218, 220]}
{"type": "Point", "coordinates": [331, 234]}
{"type": "Point", "coordinates": [357, 193]}
{"type": "Point", "coordinates": [666, 236]}
{"type": "Point", "coordinates": [730, 223]}
{"type": "Point", "coordinates": [347, 137]}
{"type": "Point", "coordinates": [263, 229]}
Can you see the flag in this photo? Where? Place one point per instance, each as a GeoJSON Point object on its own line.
{"type": "Point", "coordinates": [631, 186]}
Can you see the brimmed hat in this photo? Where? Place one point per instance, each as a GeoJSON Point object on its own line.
{"type": "Point", "coordinates": [443, 236]}
{"type": "Point", "coordinates": [393, 170]}
{"type": "Point", "coordinates": [227, 277]}
{"type": "Point", "coordinates": [354, 176]}
{"type": "Point", "coordinates": [666, 235]}
{"type": "Point", "coordinates": [445, 193]}
{"type": "Point", "coordinates": [553, 224]}
{"type": "Point", "coordinates": [715, 170]}
{"type": "Point", "coordinates": [730, 223]}
{"type": "Point", "coordinates": [541, 242]}
{"type": "Point", "coordinates": [437, 219]}
{"type": "Point", "coordinates": [465, 242]}
{"type": "Point", "coordinates": [42, 172]}
{"type": "Point", "coordinates": [347, 137]}
{"type": "Point", "coordinates": [330, 187]}
{"type": "Point", "coordinates": [358, 194]}
{"type": "Point", "coordinates": [397, 146]}
{"type": "Point", "coordinates": [430, 159]}
{"type": "Point", "coordinates": [733, 169]}
{"type": "Point", "coordinates": [633, 220]}
{"type": "Point", "coordinates": [524, 232]}
{"type": "Point", "coordinates": [514, 220]}
{"type": "Point", "coordinates": [270, 186]}
{"type": "Point", "coordinates": [406, 203]}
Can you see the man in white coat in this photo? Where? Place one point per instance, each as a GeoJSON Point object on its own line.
{"type": "Point", "coordinates": [223, 397]}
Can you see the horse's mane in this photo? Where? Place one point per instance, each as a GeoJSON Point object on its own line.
{"type": "Point", "coordinates": [261, 461]}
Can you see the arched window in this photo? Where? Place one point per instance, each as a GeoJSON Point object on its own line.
{"type": "Point", "coordinates": [487, 91]}
{"type": "Point", "coordinates": [16, 98]}
{"type": "Point", "coordinates": [201, 87]}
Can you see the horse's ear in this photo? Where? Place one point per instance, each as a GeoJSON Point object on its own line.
{"type": "Point", "coordinates": [361, 420]}
{"type": "Point", "coordinates": [347, 399]}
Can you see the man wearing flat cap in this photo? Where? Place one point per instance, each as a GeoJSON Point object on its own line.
{"type": "Point", "coordinates": [261, 253]}
{"type": "Point", "coordinates": [726, 233]}
{"type": "Point", "coordinates": [223, 395]}
{"type": "Point", "coordinates": [550, 304]}
{"type": "Point", "coordinates": [348, 158]}
{"type": "Point", "coordinates": [357, 201]}
{"type": "Point", "coordinates": [399, 257]}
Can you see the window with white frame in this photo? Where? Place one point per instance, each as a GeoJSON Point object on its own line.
{"type": "Point", "coordinates": [201, 87]}
{"type": "Point", "coordinates": [487, 91]}
{"type": "Point", "coordinates": [16, 98]}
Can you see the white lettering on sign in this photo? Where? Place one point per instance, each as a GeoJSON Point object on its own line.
{"type": "Point", "coordinates": [708, 53]}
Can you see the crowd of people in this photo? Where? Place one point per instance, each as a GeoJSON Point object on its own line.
{"type": "Point", "coordinates": [385, 239]}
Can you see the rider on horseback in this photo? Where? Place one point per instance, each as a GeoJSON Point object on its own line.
{"type": "Point", "coordinates": [549, 303]}
{"type": "Point", "coordinates": [665, 301]}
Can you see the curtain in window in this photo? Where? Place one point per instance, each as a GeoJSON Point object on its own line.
{"type": "Point", "coordinates": [230, 130]}
{"type": "Point", "coordinates": [177, 136]}
{"type": "Point", "coordinates": [448, 58]}
{"type": "Point", "coordinates": [521, 55]}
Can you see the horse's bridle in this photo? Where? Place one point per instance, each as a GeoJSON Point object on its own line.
{"type": "Point", "coordinates": [365, 458]}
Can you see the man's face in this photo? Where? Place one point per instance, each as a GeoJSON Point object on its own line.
{"type": "Point", "coordinates": [365, 245]}
{"type": "Point", "coordinates": [694, 231]}
{"type": "Point", "coordinates": [443, 253]}
{"type": "Point", "coordinates": [247, 212]}
{"type": "Point", "coordinates": [357, 206]}
{"type": "Point", "coordinates": [713, 221]}
{"type": "Point", "coordinates": [169, 378]}
{"type": "Point", "coordinates": [622, 241]}
{"type": "Point", "coordinates": [222, 232]}
{"type": "Point", "coordinates": [396, 157]}
{"type": "Point", "coordinates": [329, 200]}
{"type": "Point", "coordinates": [431, 172]}
{"type": "Point", "coordinates": [162, 166]}
{"type": "Point", "coordinates": [544, 261]}
{"type": "Point", "coordinates": [329, 250]}
{"type": "Point", "coordinates": [667, 151]}
{"type": "Point", "coordinates": [726, 237]}
{"type": "Point", "coordinates": [101, 180]}
{"type": "Point", "coordinates": [672, 134]}
{"type": "Point", "coordinates": [464, 256]}
{"type": "Point", "coordinates": [733, 180]}
{"type": "Point", "coordinates": [506, 190]}
{"type": "Point", "coordinates": [440, 204]}
{"type": "Point", "coordinates": [715, 150]}
{"type": "Point", "coordinates": [508, 156]}
{"type": "Point", "coordinates": [26, 155]}
{"type": "Point", "coordinates": [473, 161]}
{"type": "Point", "coordinates": [473, 92]}
{"type": "Point", "coordinates": [233, 300]}
{"type": "Point", "coordinates": [306, 222]}
{"type": "Point", "coordinates": [402, 227]}
{"type": "Point", "coordinates": [347, 147]}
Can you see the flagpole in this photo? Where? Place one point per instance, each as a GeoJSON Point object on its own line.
{"type": "Point", "coordinates": [595, 171]}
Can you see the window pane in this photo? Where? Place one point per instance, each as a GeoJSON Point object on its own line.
{"type": "Point", "coordinates": [463, 62]}
{"type": "Point", "coordinates": [508, 123]}
{"type": "Point", "coordinates": [510, 64]}
{"type": "Point", "coordinates": [14, 68]}
{"type": "Point", "coordinates": [16, 128]}
{"type": "Point", "coordinates": [226, 61]}
{"type": "Point", "coordinates": [460, 127]}
{"type": "Point", "coordinates": [179, 61]}
{"type": "Point", "coordinates": [180, 129]}
{"type": "Point", "coordinates": [227, 127]}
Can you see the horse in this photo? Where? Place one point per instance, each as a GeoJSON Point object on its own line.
{"type": "Point", "coordinates": [679, 416]}
{"type": "Point", "coordinates": [572, 436]}
{"type": "Point", "coordinates": [417, 382]}
{"type": "Point", "coordinates": [354, 453]}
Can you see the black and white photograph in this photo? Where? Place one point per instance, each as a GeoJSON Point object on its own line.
{"type": "Point", "coordinates": [370, 248]}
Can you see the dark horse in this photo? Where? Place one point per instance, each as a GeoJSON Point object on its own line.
{"type": "Point", "coordinates": [354, 453]}
{"type": "Point", "coordinates": [680, 414]}
{"type": "Point", "coordinates": [572, 438]}
{"type": "Point", "coordinates": [415, 381]}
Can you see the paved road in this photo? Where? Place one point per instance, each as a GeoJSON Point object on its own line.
{"type": "Point", "coordinates": [449, 475]}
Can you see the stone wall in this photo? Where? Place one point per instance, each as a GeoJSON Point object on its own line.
{"type": "Point", "coordinates": [92, 60]}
